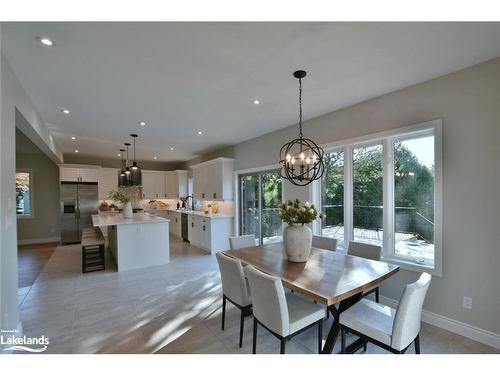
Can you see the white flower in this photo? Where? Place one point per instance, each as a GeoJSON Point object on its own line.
{"type": "Point", "coordinates": [307, 204]}
{"type": "Point", "coordinates": [311, 211]}
{"type": "Point", "coordinates": [303, 209]}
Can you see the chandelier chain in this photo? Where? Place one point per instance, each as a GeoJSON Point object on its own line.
{"type": "Point", "coordinates": [300, 108]}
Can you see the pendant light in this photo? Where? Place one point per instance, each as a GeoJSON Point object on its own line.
{"type": "Point", "coordinates": [135, 171]}
{"type": "Point", "coordinates": [301, 159]}
{"type": "Point", "coordinates": [127, 169]}
{"type": "Point", "coordinates": [122, 177]}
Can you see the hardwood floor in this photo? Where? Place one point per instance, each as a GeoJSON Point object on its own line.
{"type": "Point", "coordinates": [30, 261]}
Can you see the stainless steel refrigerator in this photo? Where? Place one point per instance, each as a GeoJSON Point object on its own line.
{"type": "Point", "coordinates": [79, 201]}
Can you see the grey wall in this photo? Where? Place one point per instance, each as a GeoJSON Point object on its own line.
{"type": "Point", "coordinates": [45, 193]}
{"type": "Point", "coordinates": [468, 101]}
{"type": "Point", "coordinates": [115, 163]}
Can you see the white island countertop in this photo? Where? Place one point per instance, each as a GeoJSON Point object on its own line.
{"type": "Point", "coordinates": [119, 219]}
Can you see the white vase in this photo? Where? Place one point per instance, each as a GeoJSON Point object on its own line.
{"type": "Point", "coordinates": [127, 210]}
{"type": "Point", "coordinates": [297, 240]}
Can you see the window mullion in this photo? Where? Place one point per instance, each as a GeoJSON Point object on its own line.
{"type": "Point", "coordinates": [388, 193]}
{"type": "Point", "coordinates": [348, 196]}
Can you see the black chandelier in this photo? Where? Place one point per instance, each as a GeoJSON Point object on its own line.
{"type": "Point", "coordinates": [135, 171]}
{"type": "Point", "coordinates": [122, 177]}
{"type": "Point", "coordinates": [301, 159]}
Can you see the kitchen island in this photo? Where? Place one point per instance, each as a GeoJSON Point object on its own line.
{"type": "Point", "coordinates": [137, 242]}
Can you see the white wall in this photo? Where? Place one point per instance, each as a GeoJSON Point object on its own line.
{"type": "Point", "coordinates": [468, 101]}
{"type": "Point", "coordinates": [13, 97]}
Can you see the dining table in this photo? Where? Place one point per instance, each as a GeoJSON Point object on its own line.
{"type": "Point", "coordinates": [332, 278]}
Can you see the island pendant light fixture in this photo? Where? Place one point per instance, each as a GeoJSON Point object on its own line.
{"type": "Point", "coordinates": [122, 177]}
{"type": "Point", "coordinates": [135, 170]}
{"type": "Point", "coordinates": [127, 168]}
{"type": "Point", "coordinates": [301, 159]}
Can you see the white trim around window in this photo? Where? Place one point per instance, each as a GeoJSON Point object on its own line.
{"type": "Point", "coordinates": [387, 138]}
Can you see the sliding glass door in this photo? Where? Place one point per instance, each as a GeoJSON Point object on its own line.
{"type": "Point", "coordinates": [260, 197]}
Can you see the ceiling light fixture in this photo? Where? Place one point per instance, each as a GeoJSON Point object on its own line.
{"type": "Point", "coordinates": [200, 132]}
{"type": "Point", "coordinates": [256, 102]}
{"type": "Point", "coordinates": [77, 151]}
{"type": "Point", "coordinates": [136, 174]}
{"type": "Point", "coordinates": [73, 138]}
{"type": "Point", "coordinates": [46, 41]}
{"type": "Point", "coordinates": [154, 158]}
{"type": "Point", "coordinates": [122, 177]}
{"type": "Point", "coordinates": [171, 149]}
{"type": "Point", "coordinates": [142, 123]}
{"type": "Point", "coordinates": [301, 159]}
{"type": "Point", "coordinates": [65, 111]}
{"type": "Point", "coordinates": [127, 169]}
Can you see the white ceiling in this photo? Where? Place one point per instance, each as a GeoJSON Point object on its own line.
{"type": "Point", "coordinates": [185, 77]}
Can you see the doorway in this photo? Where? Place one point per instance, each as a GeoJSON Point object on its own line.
{"type": "Point", "coordinates": [259, 201]}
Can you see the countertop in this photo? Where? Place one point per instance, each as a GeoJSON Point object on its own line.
{"type": "Point", "coordinates": [189, 212]}
{"type": "Point", "coordinates": [118, 219]}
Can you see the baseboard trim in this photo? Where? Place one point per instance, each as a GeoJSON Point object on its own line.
{"type": "Point", "coordinates": [475, 333]}
{"type": "Point", "coordinates": [34, 241]}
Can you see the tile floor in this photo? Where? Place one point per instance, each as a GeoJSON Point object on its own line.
{"type": "Point", "coordinates": [166, 309]}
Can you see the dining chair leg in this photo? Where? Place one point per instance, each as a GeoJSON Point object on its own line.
{"type": "Point", "coordinates": [242, 324]}
{"type": "Point", "coordinates": [282, 346]}
{"type": "Point", "coordinates": [365, 346]}
{"type": "Point", "coordinates": [327, 313]}
{"type": "Point", "coordinates": [417, 344]}
{"type": "Point", "coordinates": [223, 311]}
{"type": "Point", "coordinates": [342, 340]}
{"type": "Point", "coordinates": [377, 295]}
{"type": "Point", "coordinates": [320, 336]}
{"type": "Point", "coordinates": [254, 341]}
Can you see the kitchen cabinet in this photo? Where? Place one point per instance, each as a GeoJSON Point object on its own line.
{"type": "Point", "coordinates": [175, 227]}
{"type": "Point", "coordinates": [78, 174]}
{"type": "Point", "coordinates": [176, 184]}
{"type": "Point", "coordinates": [108, 180]}
{"type": "Point", "coordinates": [210, 234]}
{"type": "Point", "coordinates": [153, 184]}
{"type": "Point", "coordinates": [213, 180]}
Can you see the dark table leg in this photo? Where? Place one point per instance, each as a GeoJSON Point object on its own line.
{"type": "Point", "coordinates": [335, 328]}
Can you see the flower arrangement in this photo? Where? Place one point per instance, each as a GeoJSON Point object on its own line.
{"type": "Point", "coordinates": [292, 212]}
{"type": "Point", "coordinates": [124, 195]}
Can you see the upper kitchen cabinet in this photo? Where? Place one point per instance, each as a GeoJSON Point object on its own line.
{"type": "Point", "coordinates": [108, 180]}
{"type": "Point", "coordinates": [153, 184]}
{"type": "Point", "coordinates": [176, 184]}
{"type": "Point", "coordinates": [213, 180]}
{"type": "Point", "coordinates": [74, 173]}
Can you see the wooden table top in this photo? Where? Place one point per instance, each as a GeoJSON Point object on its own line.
{"type": "Point", "coordinates": [328, 276]}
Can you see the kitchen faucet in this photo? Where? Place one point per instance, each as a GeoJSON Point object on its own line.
{"type": "Point", "coordinates": [192, 201]}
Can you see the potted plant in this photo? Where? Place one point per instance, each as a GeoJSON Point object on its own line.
{"type": "Point", "coordinates": [125, 195]}
{"type": "Point", "coordinates": [297, 237]}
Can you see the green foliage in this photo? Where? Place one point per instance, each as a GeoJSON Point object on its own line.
{"type": "Point", "coordinates": [293, 212]}
{"type": "Point", "coordinates": [271, 189]}
{"type": "Point", "coordinates": [124, 195]}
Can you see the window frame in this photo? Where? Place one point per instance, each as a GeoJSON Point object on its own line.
{"type": "Point", "coordinates": [387, 139]}
{"type": "Point", "coordinates": [31, 195]}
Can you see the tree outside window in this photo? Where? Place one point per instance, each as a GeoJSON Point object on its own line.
{"type": "Point", "coordinates": [23, 193]}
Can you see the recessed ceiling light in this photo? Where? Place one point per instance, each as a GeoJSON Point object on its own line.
{"type": "Point", "coordinates": [142, 123]}
{"type": "Point", "coordinates": [73, 138]}
{"type": "Point", "coordinates": [77, 151]}
{"type": "Point", "coordinates": [65, 111]}
{"type": "Point", "coordinates": [171, 149]}
{"type": "Point", "coordinates": [200, 132]}
{"type": "Point", "coordinates": [46, 41]}
{"type": "Point", "coordinates": [154, 157]}
{"type": "Point", "coordinates": [256, 102]}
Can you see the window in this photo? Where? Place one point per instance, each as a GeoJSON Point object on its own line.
{"type": "Point", "coordinates": [24, 198]}
{"type": "Point", "coordinates": [414, 199]}
{"type": "Point", "coordinates": [332, 197]}
{"type": "Point", "coordinates": [260, 198]}
{"type": "Point", "coordinates": [368, 205]}
{"type": "Point", "coordinates": [386, 189]}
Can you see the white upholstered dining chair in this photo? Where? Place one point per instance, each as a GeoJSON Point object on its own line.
{"type": "Point", "coordinates": [241, 242]}
{"type": "Point", "coordinates": [327, 243]}
{"type": "Point", "coordinates": [391, 329]}
{"type": "Point", "coordinates": [234, 289]}
{"type": "Point", "coordinates": [367, 251]}
{"type": "Point", "coordinates": [283, 315]}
